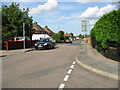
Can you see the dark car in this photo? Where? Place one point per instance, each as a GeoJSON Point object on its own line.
{"type": "Point", "coordinates": [68, 41]}
{"type": "Point", "coordinates": [45, 43]}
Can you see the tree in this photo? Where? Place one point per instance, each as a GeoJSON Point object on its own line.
{"type": "Point", "coordinates": [55, 37]}
{"type": "Point", "coordinates": [81, 36]}
{"type": "Point", "coordinates": [107, 30]}
{"type": "Point", "coordinates": [86, 36]}
{"type": "Point", "coordinates": [12, 21]}
{"type": "Point", "coordinates": [58, 36]}
{"type": "Point", "coordinates": [66, 37]}
{"type": "Point", "coordinates": [61, 35]}
{"type": "Point", "coordinates": [72, 35]}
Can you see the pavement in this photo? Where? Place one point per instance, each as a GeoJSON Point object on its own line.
{"type": "Point", "coordinates": [92, 60]}
{"type": "Point", "coordinates": [4, 53]}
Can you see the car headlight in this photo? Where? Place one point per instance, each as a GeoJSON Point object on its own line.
{"type": "Point", "coordinates": [35, 44]}
{"type": "Point", "coordinates": [45, 44]}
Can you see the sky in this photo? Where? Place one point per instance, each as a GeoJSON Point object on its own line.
{"type": "Point", "coordinates": [66, 16]}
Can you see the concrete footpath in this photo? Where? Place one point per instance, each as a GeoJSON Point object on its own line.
{"type": "Point", "coordinates": [4, 53]}
{"type": "Point", "coordinates": [94, 61]}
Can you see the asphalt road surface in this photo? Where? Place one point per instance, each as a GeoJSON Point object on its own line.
{"type": "Point", "coordinates": [55, 68]}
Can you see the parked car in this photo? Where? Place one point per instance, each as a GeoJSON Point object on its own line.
{"type": "Point", "coordinates": [68, 41]}
{"type": "Point", "coordinates": [19, 38]}
{"type": "Point", "coordinates": [45, 43]}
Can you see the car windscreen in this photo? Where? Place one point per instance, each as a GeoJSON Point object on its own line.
{"type": "Point", "coordinates": [44, 40]}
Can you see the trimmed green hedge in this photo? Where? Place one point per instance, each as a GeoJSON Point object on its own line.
{"type": "Point", "coordinates": [106, 30]}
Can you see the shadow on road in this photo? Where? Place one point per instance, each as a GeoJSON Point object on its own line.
{"type": "Point", "coordinates": [3, 56]}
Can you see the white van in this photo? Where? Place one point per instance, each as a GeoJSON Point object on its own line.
{"type": "Point", "coordinates": [39, 36]}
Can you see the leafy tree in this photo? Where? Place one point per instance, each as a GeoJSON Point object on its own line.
{"type": "Point", "coordinates": [61, 35]}
{"type": "Point", "coordinates": [72, 35]}
{"type": "Point", "coordinates": [58, 36]}
{"type": "Point", "coordinates": [81, 36]}
{"type": "Point", "coordinates": [55, 37]}
{"type": "Point", "coordinates": [107, 30]}
{"type": "Point", "coordinates": [86, 36]}
{"type": "Point", "coordinates": [12, 21]}
{"type": "Point", "coordinates": [66, 37]}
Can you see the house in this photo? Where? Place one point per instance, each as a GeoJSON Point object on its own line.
{"type": "Point", "coordinates": [49, 32]}
{"type": "Point", "coordinates": [69, 35]}
{"type": "Point", "coordinates": [77, 37]}
{"type": "Point", "coordinates": [39, 30]}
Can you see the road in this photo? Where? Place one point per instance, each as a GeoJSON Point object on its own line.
{"type": "Point", "coordinates": [49, 69]}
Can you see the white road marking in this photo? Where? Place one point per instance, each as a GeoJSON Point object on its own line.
{"type": "Point", "coordinates": [61, 86]}
{"type": "Point", "coordinates": [66, 77]}
{"type": "Point", "coordinates": [74, 62]}
{"type": "Point", "coordinates": [69, 71]}
{"type": "Point", "coordinates": [72, 66]}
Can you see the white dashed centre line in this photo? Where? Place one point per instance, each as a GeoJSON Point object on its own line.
{"type": "Point", "coordinates": [69, 71]}
{"type": "Point", "coordinates": [67, 76]}
{"type": "Point", "coordinates": [74, 62]}
{"type": "Point", "coordinates": [72, 66]}
{"type": "Point", "coordinates": [61, 86]}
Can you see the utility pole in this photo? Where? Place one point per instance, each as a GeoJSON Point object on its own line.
{"type": "Point", "coordinates": [24, 36]}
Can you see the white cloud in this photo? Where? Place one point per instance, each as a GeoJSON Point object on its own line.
{"type": "Point", "coordinates": [76, 22]}
{"type": "Point", "coordinates": [95, 12]}
{"type": "Point", "coordinates": [50, 5]}
{"type": "Point", "coordinates": [63, 18]}
{"type": "Point", "coordinates": [23, 0]}
{"type": "Point", "coordinates": [66, 7]}
{"type": "Point", "coordinates": [92, 22]}
{"type": "Point", "coordinates": [85, 1]}
{"type": "Point", "coordinates": [89, 1]}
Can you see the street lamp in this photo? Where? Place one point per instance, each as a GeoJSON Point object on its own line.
{"type": "Point", "coordinates": [24, 35]}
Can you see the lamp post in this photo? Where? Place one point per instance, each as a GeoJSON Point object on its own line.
{"type": "Point", "coordinates": [24, 35]}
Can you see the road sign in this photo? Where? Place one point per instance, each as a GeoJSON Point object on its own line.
{"type": "Point", "coordinates": [85, 25]}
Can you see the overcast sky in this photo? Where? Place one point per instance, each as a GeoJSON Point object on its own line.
{"type": "Point", "coordinates": [67, 15]}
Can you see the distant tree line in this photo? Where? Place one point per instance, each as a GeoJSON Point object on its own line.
{"type": "Point", "coordinates": [59, 37]}
{"type": "Point", "coordinates": [83, 36]}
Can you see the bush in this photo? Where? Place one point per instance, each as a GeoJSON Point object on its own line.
{"type": "Point", "coordinates": [107, 29]}
{"type": "Point", "coordinates": [106, 33]}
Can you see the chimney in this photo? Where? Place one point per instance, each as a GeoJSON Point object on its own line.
{"type": "Point", "coordinates": [46, 26]}
{"type": "Point", "coordinates": [35, 23]}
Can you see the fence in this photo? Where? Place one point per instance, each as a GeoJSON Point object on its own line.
{"type": "Point", "coordinates": [10, 45]}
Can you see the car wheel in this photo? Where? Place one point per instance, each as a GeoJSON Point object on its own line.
{"type": "Point", "coordinates": [48, 47]}
{"type": "Point", "coordinates": [36, 48]}
{"type": "Point", "coordinates": [53, 47]}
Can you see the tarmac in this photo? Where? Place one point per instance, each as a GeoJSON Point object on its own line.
{"type": "Point", "coordinates": [92, 60]}
{"type": "Point", "coordinates": [87, 58]}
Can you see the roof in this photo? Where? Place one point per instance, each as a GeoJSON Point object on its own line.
{"type": "Point", "coordinates": [37, 27]}
{"type": "Point", "coordinates": [67, 34]}
{"type": "Point", "coordinates": [50, 32]}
